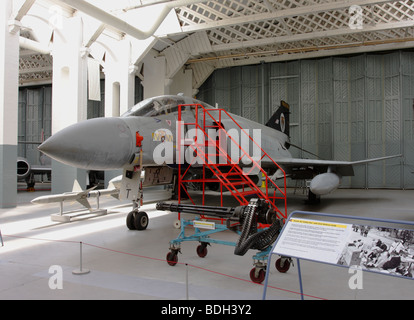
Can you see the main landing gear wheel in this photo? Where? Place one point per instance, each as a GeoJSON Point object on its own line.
{"type": "Point", "coordinates": [137, 220]}
{"type": "Point", "coordinates": [257, 275]}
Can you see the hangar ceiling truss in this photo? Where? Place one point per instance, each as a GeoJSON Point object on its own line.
{"type": "Point", "coordinates": [225, 33]}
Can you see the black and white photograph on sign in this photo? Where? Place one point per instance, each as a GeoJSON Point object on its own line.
{"type": "Point", "coordinates": [378, 249]}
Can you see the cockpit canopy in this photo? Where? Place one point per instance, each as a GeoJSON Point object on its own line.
{"type": "Point", "coordinates": [157, 106]}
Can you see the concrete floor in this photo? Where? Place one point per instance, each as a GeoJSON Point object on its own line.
{"type": "Point", "coordinates": [128, 264]}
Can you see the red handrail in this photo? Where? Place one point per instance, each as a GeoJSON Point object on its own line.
{"type": "Point", "coordinates": [195, 145]}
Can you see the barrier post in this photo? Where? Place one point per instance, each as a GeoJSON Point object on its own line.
{"type": "Point", "coordinates": [80, 270]}
{"type": "Point", "coordinates": [186, 281]}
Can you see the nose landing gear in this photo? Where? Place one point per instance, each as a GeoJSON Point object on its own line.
{"type": "Point", "coordinates": [137, 220]}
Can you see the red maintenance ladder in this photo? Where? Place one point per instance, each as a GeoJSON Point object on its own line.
{"type": "Point", "coordinates": [228, 173]}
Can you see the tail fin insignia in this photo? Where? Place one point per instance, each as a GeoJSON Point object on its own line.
{"type": "Point", "coordinates": [280, 119]}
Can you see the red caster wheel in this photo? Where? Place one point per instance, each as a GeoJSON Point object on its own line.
{"type": "Point", "coordinates": [202, 250]}
{"type": "Point", "coordinates": [282, 265]}
{"type": "Point", "coordinates": [257, 276]}
{"type": "Point", "coordinates": [172, 258]}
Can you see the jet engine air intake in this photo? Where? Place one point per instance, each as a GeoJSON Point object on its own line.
{"type": "Point", "coordinates": [23, 168]}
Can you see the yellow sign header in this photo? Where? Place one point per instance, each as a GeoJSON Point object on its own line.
{"type": "Point", "coordinates": [319, 223]}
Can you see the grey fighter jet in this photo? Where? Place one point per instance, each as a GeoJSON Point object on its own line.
{"type": "Point", "coordinates": [147, 136]}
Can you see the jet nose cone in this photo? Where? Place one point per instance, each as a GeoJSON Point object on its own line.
{"type": "Point", "coordinates": [97, 144]}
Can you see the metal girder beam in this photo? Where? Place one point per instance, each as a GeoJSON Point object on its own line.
{"type": "Point", "coordinates": [280, 14]}
{"type": "Point", "coordinates": [95, 35]}
{"type": "Point", "coordinates": [305, 53]}
{"type": "Point", "coordinates": [23, 10]}
{"type": "Point", "coordinates": [36, 70]}
{"type": "Point", "coordinates": [120, 24]}
{"type": "Point", "coordinates": [312, 35]}
{"type": "Point", "coordinates": [33, 45]}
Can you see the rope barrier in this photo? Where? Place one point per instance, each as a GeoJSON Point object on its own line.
{"type": "Point", "coordinates": [156, 259]}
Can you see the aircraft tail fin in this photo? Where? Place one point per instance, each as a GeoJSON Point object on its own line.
{"type": "Point", "coordinates": [280, 119]}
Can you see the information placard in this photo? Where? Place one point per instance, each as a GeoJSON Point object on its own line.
{"type": "Point", "coordinates": [384, 250]}
{"type": "Point", "coordinates": [377, 249]}
{"type": "Point", "coordinates": [314, 240]}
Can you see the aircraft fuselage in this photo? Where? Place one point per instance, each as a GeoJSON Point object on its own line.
{"type": "Point", "coordinates": [113, 143]}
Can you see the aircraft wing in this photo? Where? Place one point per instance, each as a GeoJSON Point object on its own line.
{"type": "Point", "coordinates": [345, 168]}
{"type": "Point", "coordinates": [40, 169]}
{"type": "Point", "coordinates": [317, 162]}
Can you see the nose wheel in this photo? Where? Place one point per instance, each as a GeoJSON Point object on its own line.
{"type": "Point", "coordinates": [137, 220]}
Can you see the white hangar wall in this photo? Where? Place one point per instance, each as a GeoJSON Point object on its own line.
{"type": "Point", "coordinates": [342, 108]}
